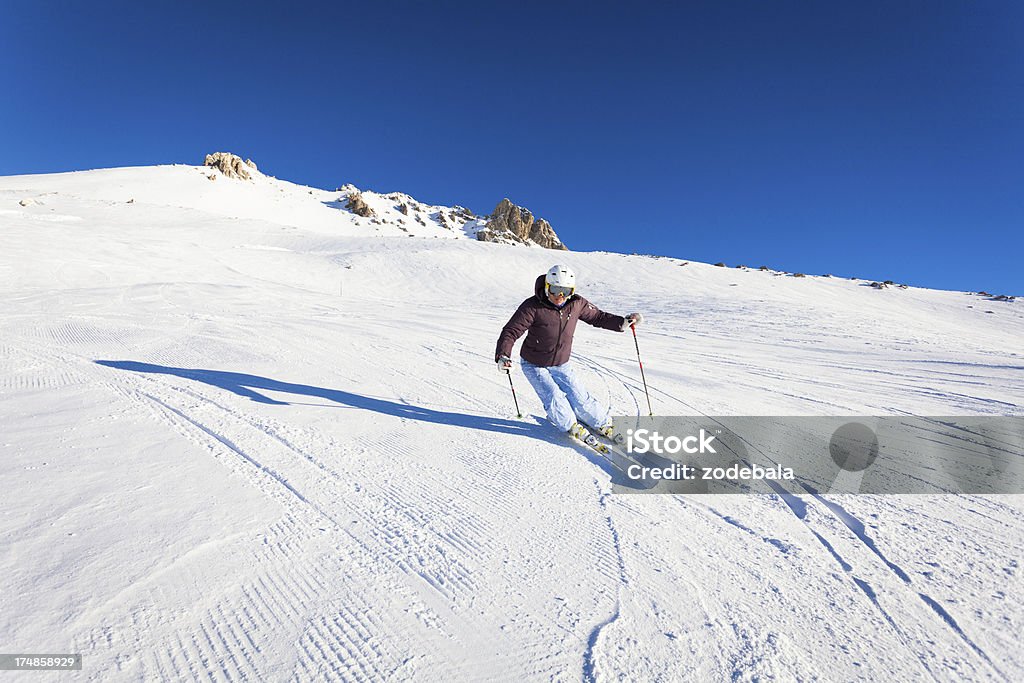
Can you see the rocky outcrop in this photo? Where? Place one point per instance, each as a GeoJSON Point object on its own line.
{"type": "Point", "coordinates": [543, 234]}
{"type": "Point", "coordinates": [230, 165]}
{"type": "Point", "coordinates": [357, 205]}
{"type": "Point", "coordinates": [514, 224]}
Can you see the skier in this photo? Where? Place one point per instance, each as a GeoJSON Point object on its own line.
{"type": "Point", "coordinates": [549, 320]}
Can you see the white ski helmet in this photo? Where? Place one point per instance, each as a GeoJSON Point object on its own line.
{"type": "Point", "coordinates": [560, 280]}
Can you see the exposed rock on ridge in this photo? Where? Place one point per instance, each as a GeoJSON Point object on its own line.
{"type": "Point", "coordinates": [514, 224]}
{"type": "Point", "coordinates": [230, 165]}
{"type": "Point", "coordinates": [357, 205]}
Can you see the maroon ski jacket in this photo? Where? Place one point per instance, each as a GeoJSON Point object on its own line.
{"type": "Point", "coordinates": [549, 329]}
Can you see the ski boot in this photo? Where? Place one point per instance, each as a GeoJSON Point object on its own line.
{"type": "Point", "coordinates": [608, 432]}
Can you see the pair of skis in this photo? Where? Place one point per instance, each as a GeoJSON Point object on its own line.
{"type": "Point", "coordinates": [608, 447]}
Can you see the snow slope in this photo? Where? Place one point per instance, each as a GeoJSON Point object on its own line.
{"type": "Point", "coordinates": [250, 436]}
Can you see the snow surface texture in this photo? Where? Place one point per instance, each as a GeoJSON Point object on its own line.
{"type": "Point", "coordinates": [248, 435]}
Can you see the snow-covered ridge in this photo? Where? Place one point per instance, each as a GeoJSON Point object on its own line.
{"type": "Point", "coordinates": [262, 197]}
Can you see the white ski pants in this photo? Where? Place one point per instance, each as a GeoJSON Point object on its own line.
{"type": "Point", "coordinates": [564, 398]}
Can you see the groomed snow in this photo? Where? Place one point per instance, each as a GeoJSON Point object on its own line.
{"type": "Point", "coordinates": [247, 435]}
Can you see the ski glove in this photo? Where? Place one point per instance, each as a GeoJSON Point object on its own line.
{"type": "Point", "coordinates": [631, 320]}
{"type": "Point", "coordinates": [505, 364]}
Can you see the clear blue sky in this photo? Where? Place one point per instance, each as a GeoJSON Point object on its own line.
{"type": "Point", "coordinates": [882, 140]}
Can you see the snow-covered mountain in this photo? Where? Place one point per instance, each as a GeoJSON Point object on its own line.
{"type": "Point", "coordinates": [250, 435]}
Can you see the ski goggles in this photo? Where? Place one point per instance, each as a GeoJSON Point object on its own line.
{"type": "Point", "coordinates": [559, 290]}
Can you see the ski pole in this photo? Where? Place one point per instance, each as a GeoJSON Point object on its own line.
{"type": "Point", "coordinates": [646, 393]}
{"type": "Point", "coordinates": [518, 412]}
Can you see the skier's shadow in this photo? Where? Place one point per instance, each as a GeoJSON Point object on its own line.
{"type": "Point", "coordinates": [246, 386]}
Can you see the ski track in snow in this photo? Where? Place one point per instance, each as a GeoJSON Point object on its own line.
{"type": "Point", "coordinates": [590, 654]}
{"type": "Point", "coordinates": [857, 528]}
